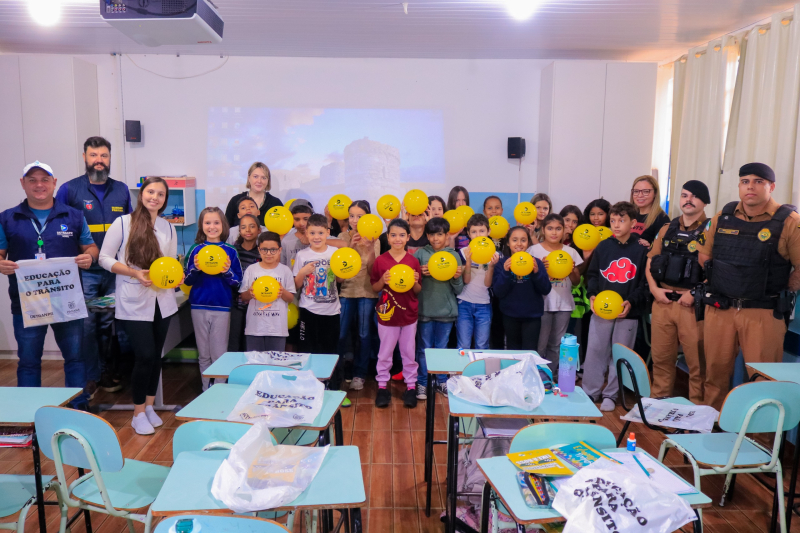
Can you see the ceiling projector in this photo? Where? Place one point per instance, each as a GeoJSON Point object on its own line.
{"type": "Point", "coordinates": [159, 22]}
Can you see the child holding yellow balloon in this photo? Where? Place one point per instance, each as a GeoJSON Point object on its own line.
{"type": "Point", "coordinates": [561, 263]}
{"type": "Point", "coordinates": [247, 206]}
{"type": "Point", "coordinates": [212, 275]}
{"type": "Point", "coordinates": [267, 322]}
{"type": "Point", "coordinates": [520, 286]}
{"type": "Point", "coordinates": [436, 207]}
{"type": "Point", "coordinates": [474, 302]}
{"type": "Point", "coordinates": [247, 249]}
{"type": "Point", "coordinates": [438, 307]}
{"type": "Point", "coordinates": [459, 198]}
{"type": "Point", "coordinates": [616, 272]}
{"type": "Point", "coordinates": [395, 277]}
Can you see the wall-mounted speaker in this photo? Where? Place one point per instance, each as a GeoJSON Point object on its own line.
{"type": "Point", "coordinates": [516, 147]}
{"type": "Point", "coordinates": [133, 131]}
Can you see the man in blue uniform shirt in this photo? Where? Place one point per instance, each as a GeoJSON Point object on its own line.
{"type": "Point", "coordinates": [35, 230]}
{"type": "Point", "coordinates": [101, 200]}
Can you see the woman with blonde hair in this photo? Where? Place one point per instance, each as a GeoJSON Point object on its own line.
{"type": "Point", "coordinates": [259, 182]}
{"type": "Point", "coordinates": [647, 199]}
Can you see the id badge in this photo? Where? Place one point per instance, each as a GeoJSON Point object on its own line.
{"type": "Point", "coordinates": [40, 257]}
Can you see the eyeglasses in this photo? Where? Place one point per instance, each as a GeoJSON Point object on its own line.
{"type": "Point", "coordinates": [641, 192]}
{"type": "Point", "coordinates": [269, 251]}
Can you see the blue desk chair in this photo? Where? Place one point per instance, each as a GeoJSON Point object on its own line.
{"type": "Point", "coordinates": [759, 407]}
{"type": "Point", "coordinates": [245, 374]}
{"type": "Point", "coordinates": [115, 486]}
{"type": "Point", "coordinates": [240, 524]}
{"type": "Point", "coordinates": [204, 435]}
{"type": "Point", "coordinates": [637, 379]}
{"type": "Point", "coordinates": [538, 436]}
{"type": "Point", "coordinates": [18, 495]}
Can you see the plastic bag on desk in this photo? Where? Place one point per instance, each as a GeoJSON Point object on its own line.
{"type": "Point", "coordinates": [604, 497]}
{"type": "Point", "coordinates": [280, 398]}
{"type": "Point", "coordinates": [518, 385]}
{"type": "Point", "coordinates": [298, 360]}
{"type": "Point", "coordinates": [698, 418]}
{"type": "Point", "coordinates": [259, 475]}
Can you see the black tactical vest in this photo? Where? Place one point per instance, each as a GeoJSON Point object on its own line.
{"type": "Point", "coordinates": [745, 259]}
{"type": "Point", "coordinates": [677, 264]}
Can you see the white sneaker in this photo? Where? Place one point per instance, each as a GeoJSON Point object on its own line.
{"type": "Point", "coordinates": [141, 425]}
{"type": "Point", "coordinates": [152, 417]}
{"type": "Point", "coordinates": [421, 392]}
{"type": "Point", "coordinates": [357, 384]}
{"type": "Point", "coordinates": [608, 405]}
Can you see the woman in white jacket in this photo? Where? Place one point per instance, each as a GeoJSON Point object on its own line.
{"type": "Point", "coordinates": [130, 246]}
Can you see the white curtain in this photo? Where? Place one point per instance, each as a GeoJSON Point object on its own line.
{"type": "Point", "coordinates": [764, 118]}
{"type": "Point", "coordinates": [700, 98]}
{"type": "Point", "coordinates": [663, 127]}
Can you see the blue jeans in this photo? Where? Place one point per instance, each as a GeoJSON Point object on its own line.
{"type": "Point", "coordinates": [473, 319]}
{"type": "Point", "coordinates": [97, 327]}
{"type": "Point", "coordinates": [433, 335]}
{"type": "Point", "coordinates": [30, 345]}
{"type": "Point", "coordinates": [362, 310]}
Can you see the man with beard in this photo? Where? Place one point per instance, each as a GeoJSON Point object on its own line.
{"type": "Point", "coordinates": [672, 272]}
{"type": "Point", "coordinates": [101, 200]}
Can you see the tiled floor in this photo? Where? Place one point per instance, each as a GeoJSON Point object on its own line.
{"type": "Point", "coordinates": [392, 455]}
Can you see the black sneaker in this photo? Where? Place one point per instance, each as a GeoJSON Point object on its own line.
{"type": "Point", "coordinates": [90, 389]}
{"type": "Point", "coordinates": [108, 384]}
{"type": "Point", "coordinates": [383, 398]}
{"type": "Point", "coordinates": [442, 387]}
{"type": "Point", "coordinates": [410, 398]}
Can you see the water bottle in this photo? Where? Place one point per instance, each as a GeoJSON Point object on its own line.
{"type": "Point", "coordinates": [632, 443]}
{"type": "Point", "coordinates": [568, 362]}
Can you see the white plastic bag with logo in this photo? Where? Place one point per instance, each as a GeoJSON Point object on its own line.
{"type": "Point", "coordinates": [604, 497]}
{"type": "Point", "coordinates": [50, 291]}
{"type": "Point", "coordinates": [259, 475]}
{"type": "Point", "coordinates": [298, 360]}
{"type": "Point", "coordinates": [518, 385]}
{"type": "Point", "coordinates": [280, 398]}
{"type": "Point", "coordinates": [698, 418]}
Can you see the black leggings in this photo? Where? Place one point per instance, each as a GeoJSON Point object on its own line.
{"type": "Point", "coordinates": [147, 341]}
{"type": "Point", "coordinates": [522, 333]}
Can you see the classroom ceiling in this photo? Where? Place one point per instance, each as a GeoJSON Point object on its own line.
{"type": "Point", "coordinates": [640, 30]}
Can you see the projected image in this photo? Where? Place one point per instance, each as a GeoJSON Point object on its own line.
{"type": "Point", "coordinates": [316, 153]}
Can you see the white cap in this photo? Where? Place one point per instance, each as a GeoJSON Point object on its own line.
{"type": "Point", "coordinates": [37, 164]}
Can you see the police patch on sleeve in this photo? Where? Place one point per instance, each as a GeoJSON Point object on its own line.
{"type": "Point", "coordinates": [764, 235]}
{"type": "Point", "coordinates": [692, 246]}
{"type": "Point", "coordinates": [701, 240]}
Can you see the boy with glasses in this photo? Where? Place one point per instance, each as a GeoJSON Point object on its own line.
{"type": "Point", "coordinates": [267, 324]}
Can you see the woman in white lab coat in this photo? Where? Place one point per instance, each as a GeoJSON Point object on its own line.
{"type": "Point", "coordinates": [130, 246]}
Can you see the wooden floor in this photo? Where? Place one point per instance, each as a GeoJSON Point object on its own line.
{"type": "Point", "coordinates": [392, 454]}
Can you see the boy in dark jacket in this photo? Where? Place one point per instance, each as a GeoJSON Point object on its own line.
{"type": "Point", "coordinates": [617, 265]}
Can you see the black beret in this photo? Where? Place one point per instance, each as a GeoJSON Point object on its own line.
{"type": "Point", "coordinates": [699, 189]}
{"type": "Point", "coordinates": [757, 169]}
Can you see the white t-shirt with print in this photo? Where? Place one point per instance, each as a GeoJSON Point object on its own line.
{"type": "Point", "coordinates": [267, 320]}
{"type": "Point", "coordinates": [476, 291]}
{"type": "Point", "coordinates": [560, 297]}
{"type": "Point", "coordinates": [319, 294]}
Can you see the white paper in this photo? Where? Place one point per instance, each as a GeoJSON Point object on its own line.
{"type": "Point", "coordinates": [698, 418]}
{"type": "Point", "coordinates": [477, 356]}
{"type": "Point", "coordinates": [659, 474]}
{"type": "Point", "coordinates": [50, 291]}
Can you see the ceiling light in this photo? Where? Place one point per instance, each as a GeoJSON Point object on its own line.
{"type": "Point", "coordinates": [45, 12]}
{"type": "Point", "coordinates": [521, 9]}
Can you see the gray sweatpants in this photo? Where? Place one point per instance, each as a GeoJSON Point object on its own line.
{"type": "Point", "coordinates": [211, 331]}
{"type": "Point", "coordinates": [554, 326]}
{"type": "Point", "coordinates": [602, 335]}
{"type": "Point", "coordinates": [264, 344]}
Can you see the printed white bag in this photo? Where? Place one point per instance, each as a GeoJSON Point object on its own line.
{"type": "Point", "coordinates": [518, 385]}
{"type": "Point", "coordinates": [280, 398]}
{"type": "Point", "coordinates": [292, 359]}
{"type": "Point", "coordinates": [259, 475]}
{"type": "Point", "coordinates": [698, 418]}
{"type": "Point", "coordinates": [50, 291]}
{"type": "Point", "coordinates": [605, 497]}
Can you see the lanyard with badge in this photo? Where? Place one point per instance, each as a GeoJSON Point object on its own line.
{"type": "Point", "coordinates": [41, 256]}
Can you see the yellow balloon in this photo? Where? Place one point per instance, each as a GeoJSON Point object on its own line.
{"type": "Point", "coordinates": [370, 226]}
{"type": "Point", "coordinates": [482, 250]}
{"type": "Point", "coordinates": [455, 219]}
{"type": "Point", "coordinates": [212, 259]}
{"type": "Point", "coordinates": [401, 278]}
{"type": "Point", "coordinates": [345, 263]}
{"type": "Point", "coordinates": [498, 227]}
{"type": "Point", "coordinates": [608, 305]}
{"type": "Point", "coordinates": [292, 315]}
{"type": "Point", "coordinates": [388, 206]}
{"type": "Point", "coordinates": [442, 266]}
{"type": "Point", "coordinates": [466, 212]}
{"type": "Point", "coordinates": [525, 213]}
{"type": "Point", "coordinates": [288, 204]}
{"type": "Point", "coordinates": [266, 289]}
{"type": "Point", "coordinates": [279, 219]}
{"type": "Point", "coordinates": [339, 206]}
{"type": "Point", "coordinates": [186, 289]}
{"type": "Point", "coordinates": [416, 202]}
{"type": "Point", "coordinates": [166, 273]}
{"type": "Point", "coordinates": [604, 232]}
{"type": "Point", "coordinates": [586, 237]}
{"type": "Point", "coordinates": [522, 263]}
{"type": "Point", "coordinates": [559, 264]}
